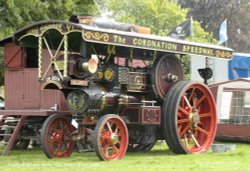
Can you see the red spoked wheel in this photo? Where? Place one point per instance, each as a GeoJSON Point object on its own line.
{"type": "Point", "coordinates": [56, 137]}
{"type": "Point", "coordinates": [189, 118]}
{"type": "Point", "coordinates": [110, 138]}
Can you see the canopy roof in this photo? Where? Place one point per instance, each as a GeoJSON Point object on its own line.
{"type": "Point", "coordinates": [55, 29]}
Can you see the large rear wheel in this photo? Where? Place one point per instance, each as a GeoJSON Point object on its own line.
{"type": "Point", "coordinates": [110, 138]}
{"type": "Point", "coordinates": [189, 118]}
{"type": "Point", "coordinates": [56, 137]}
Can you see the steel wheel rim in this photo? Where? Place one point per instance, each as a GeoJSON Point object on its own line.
{"type": "Point", "coordinates": [113, 139]}
{"type": "Point", "coordinates": [196, 118]}
{"type": "Point", "coordinates": [58, 143]}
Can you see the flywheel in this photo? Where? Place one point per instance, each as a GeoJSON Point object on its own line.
{"type": "Point", "coordinates": [166, 71]}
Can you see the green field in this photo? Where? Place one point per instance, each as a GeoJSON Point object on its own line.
{"type": "Point", "coordinates": [159, 158]}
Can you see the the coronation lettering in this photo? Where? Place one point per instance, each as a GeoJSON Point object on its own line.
{"type": "Point", "coordinates": [154, 44]}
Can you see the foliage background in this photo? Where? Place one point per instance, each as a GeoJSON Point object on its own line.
{"type": "Point", "coordinates": [159, 15]}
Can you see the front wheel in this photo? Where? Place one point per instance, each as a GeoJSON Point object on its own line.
{"type": "Point", "coordinates": [189, 118]}
{"type": "Point", "coordinates": [110, 137]}
{"type": "Point", "coordinates": [56, 137]}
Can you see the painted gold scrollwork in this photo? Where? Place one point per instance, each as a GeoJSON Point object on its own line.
{"type": "Point", "coordinates": [228, 55]}
{"type": "Point", "coordinates": [96, 36]}
{"type": "Point", "coordinates": [223, 54]}
{"type": "Point", "coordinates": [217, 53]}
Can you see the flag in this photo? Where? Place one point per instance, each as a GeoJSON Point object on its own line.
{"type": "Point", "coordinates": [183, 30]}
{"type": "Point", "coordinates": [223, 32]}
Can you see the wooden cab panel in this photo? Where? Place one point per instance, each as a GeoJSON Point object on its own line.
{"type": "Point", "coordinates": [13, 56]}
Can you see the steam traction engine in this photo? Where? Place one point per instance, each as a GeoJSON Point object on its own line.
{"type": "Point", "coordinates": [124, 87]}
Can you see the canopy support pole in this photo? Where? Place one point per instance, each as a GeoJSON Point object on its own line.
{"type": "Point", "coordinates": [40, 57]}
{"type": "Point", "coordinates": [66, 57]}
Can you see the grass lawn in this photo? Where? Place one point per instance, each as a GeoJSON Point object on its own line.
{"type": "Point", "coordinates": [159, 158]}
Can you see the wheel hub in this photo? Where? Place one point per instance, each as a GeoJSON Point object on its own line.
{"type": "Point", "coordinates": [194, 117]}
{"type": "Point", "coordinates": [114, 139]}
{"type": "Point", "coordinates": [58, 137]}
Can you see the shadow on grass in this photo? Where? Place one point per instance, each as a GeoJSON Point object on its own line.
{"type": "Point", "coordinates": [156, 152]}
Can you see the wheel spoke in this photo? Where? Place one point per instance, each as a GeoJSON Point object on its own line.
{"type": "Point", "coordinates": [182, 121]}
{"type": "Point", "coordinates": [51, 141]}
{"type": "Point", "coordinates": [61, 125]}
{"type": "Point", "coordinates": [200, 100]}
{"type": "Point", "coordinates": [109, 127]}
{"type": "Point", "coordinates": [57, 148]}
{"type": "Point", "coordinates": [105, 135]}
{"type": "Point", "coordinates": [64, 147]}
{"type": "Point", "coordinates": [50, 134]}
{"type": "Point", "coordinates": [104, 143]}
{"type": "Point", "coordinates": [189, 138]}
{"type": "Point", "coordinates": [186, 140]}
{"type": "Point", "coordinates": [115, 150]}
{"type": "Point", "coordinates": [106, 150]}
{"type": "Point", "coordinates": [203, 115]}
{"type": "Point", "coordinates": [203, 131]}
{"type": "Point", "coordinates": [67, 136]}
{"type": "Point", "coordinates": [194, 101]}
{"type": "Point", "coordinates": [183, 110]}
{"type": "Point", "coordinates": [116, 130]}
{"type": "Point", "coordinates": [184, 131]}
{"type": "Point", "coordinates": [179, 114]}
{"type": "Point", "coordinates": [53, 128]}
{"type": "Point", "coordinates": [187, 101]}
{"type": "Point", "coordinates": [191, 95]}
{"type": "Point", "coordinates": [65, 128]}
{"type": "Point", "coordinates": [179, 129]}
{"type": "Point", "coordinates": [195, 140]}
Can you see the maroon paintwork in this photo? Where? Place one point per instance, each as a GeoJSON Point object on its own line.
{"type": "Point", "coordinates": [23, 93]}
{"type": "Point", "coordinates": [233, 132]}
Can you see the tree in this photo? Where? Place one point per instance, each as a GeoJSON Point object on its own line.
{"type": "Point", "coordinates": [16, 14]}
{"type": "Point", "coordinates": [212, 14]}
{"type": "Point", "coordinates": [159, 15]}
